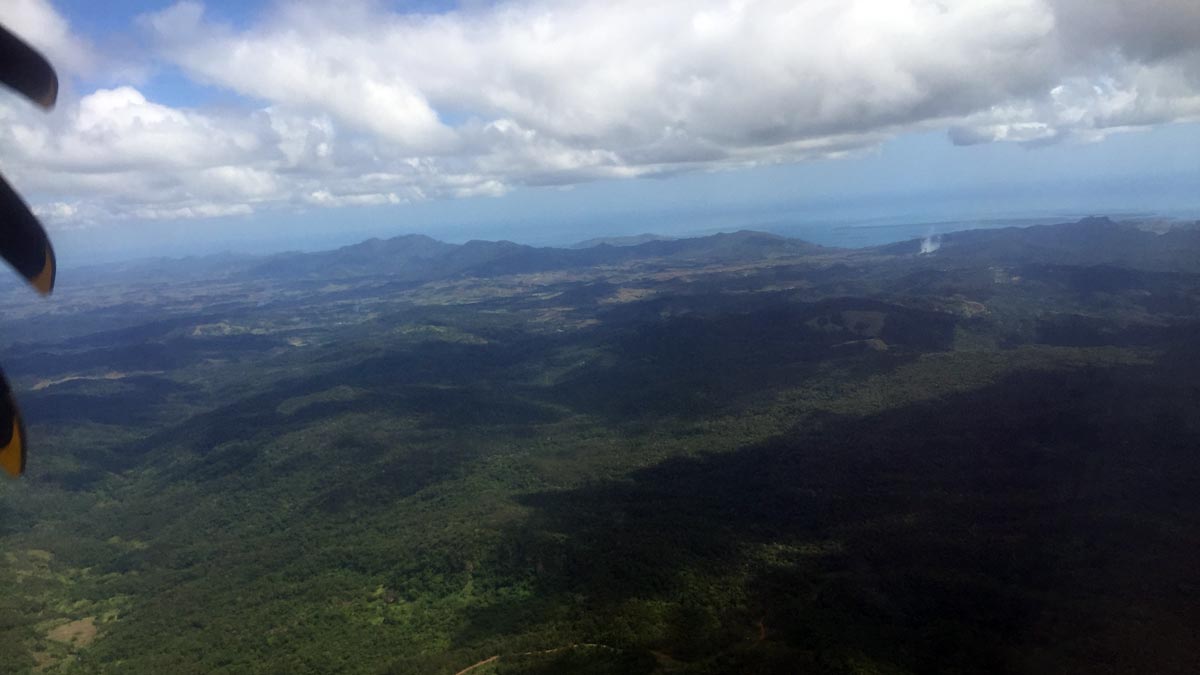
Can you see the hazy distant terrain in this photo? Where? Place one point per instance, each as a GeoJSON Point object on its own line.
{"type": "Point", "coordinates": [736, 453]}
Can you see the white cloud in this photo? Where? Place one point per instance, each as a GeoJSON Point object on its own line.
{"type": "Point", "coordinates": [359, 105]}
{"type": "Point", "coordinates": [56, 210]}
{"type": "Point", "coordinates": [114, 129]}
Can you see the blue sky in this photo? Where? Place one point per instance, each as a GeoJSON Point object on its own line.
{"type": "Point", "coordinates": [198, 127]}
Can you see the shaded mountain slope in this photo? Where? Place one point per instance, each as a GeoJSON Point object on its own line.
{"type": "Point", "coordinates": [1091, 241]}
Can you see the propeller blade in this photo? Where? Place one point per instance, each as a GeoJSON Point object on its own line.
{"type": "Point", "coordinates": [12, 433]}
{"type": "Point", "coordinates": [27, 71]}
{"type": "Point", "coordinates": [23, 242]}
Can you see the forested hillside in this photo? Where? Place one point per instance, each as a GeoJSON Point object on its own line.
{"type": "Point", "coordinates": [740, 453]}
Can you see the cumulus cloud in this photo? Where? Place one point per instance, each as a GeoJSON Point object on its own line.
{"type": "Point", "coordinates": [355, 104]}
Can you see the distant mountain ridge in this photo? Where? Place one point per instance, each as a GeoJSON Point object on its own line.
{"type": "Point", "coordinates": [631, 240]}
{"type": "Point", "coordinates": [1089, 241]}
{"type": "Point", "coordinates": [419, 258]}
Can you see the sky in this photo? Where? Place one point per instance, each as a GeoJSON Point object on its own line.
{"type": "Point", "coordinates": [194, 127]}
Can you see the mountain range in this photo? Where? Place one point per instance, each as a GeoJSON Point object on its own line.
{"type": "Point", "coordinates": [420, 258]}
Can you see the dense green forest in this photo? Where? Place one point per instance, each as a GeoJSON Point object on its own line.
{"type": "Point", "coordinates": [737, 454]}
